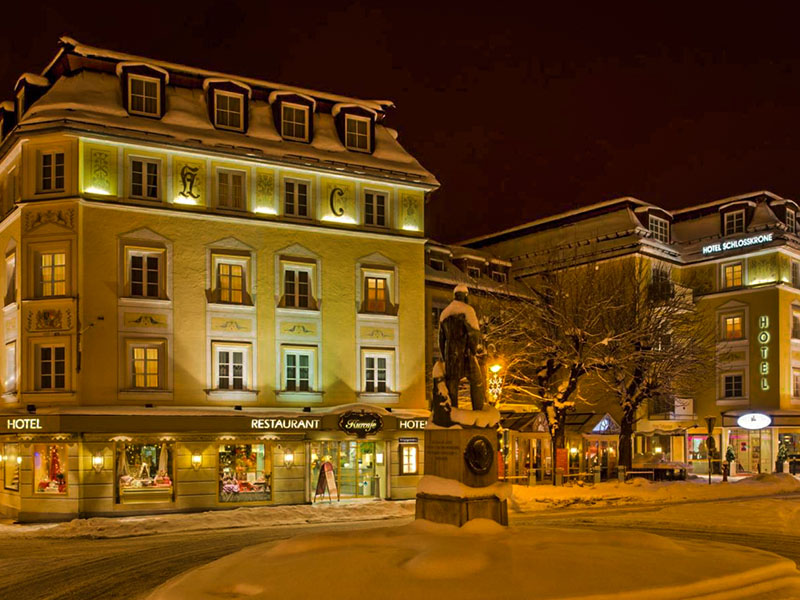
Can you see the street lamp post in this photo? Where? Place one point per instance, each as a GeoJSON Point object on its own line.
{"type": "Point", "coordinates": [495, 380]}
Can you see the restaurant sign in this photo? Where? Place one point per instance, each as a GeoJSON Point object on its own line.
{"type": "Point", "coordinates": [285, 424]}
{"type": "Point", "coordinates": [754, 421]}
{"type": "Point", "coordinates": [360, 424]}
{"type": "Point", "coordinates": [740, 243]}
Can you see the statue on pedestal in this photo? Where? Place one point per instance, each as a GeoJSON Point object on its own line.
{"type": "Point", "coordinates": [461, 346]}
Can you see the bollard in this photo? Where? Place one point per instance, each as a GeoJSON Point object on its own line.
{"type": "Point", "coordinates": [559, 476]}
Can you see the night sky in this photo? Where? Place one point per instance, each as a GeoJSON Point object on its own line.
{"type": "Point", "coordinates": [520, 111]}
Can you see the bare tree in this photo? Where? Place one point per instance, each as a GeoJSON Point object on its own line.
{"type": "Point", "coordinates": [661, 348]}
{"type": "Point", "coordinates": [552, 338]}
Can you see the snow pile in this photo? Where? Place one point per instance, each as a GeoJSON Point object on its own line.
{"type": "Point", "coordinates": [643, 491]}
{"type": "Point", "coordinates": [441, 486]}
{"type": "Point", "coordinates": [266, 516]}
{"type": "Point", "coordinates": [484, 560]}
{"type": "Point", "coordinates": [489, 416]}
{"type": "Point", "coordinates": [456, 307]}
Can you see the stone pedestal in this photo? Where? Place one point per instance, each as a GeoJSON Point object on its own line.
{"type": "Point", "coordinates": [468, 456]}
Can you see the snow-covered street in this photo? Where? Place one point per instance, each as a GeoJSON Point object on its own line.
{"type": "Point", "coordinates": [130, 557]}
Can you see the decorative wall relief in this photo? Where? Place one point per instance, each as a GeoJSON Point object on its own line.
{"type": "Point", "coordinates": [145, 320]}
{"type": "Point", "coordinates": [189, 181]}
{"type": "Point", "coordinates": [49, 319]}
{"type": "Point", "coordinates": [338, 200]}
{"type": "Point", "coordinates": [100, 169]}
{"type": "Point", "coordinates": [377, 333]}
{"type": "Point", "coordinates": [265, 190]}
{"type": "Point", "coordinates": [231, 324]}
{"type": "Point", "coordinates": [299, 329]}
{"type": "Point", "coordinates": [411, 209]}
{"type": "Point", "coordinates": [63, 217]}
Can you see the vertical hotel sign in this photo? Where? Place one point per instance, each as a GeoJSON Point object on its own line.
{"type": "Point", "coordinates": [763, 342]}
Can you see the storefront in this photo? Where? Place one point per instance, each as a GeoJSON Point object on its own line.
{"type": "Point", "coordinates": [527, 448]}
{"type": "Point", "coordinates": [73, 463]}
{"type": "Point", "coordinates": [758, 438]}
{"type": "Point", "coordinates": [592, 443]}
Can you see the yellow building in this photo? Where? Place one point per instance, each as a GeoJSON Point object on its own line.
{"type": "Point", "coordinates": [214, 292]}
{"type": "Point", "coordinates": [741, 259]}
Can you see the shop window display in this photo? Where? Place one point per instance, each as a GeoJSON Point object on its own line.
{"type": "Point", "coordinates": [50, 468]}
{"type": "Point", "coordinates": [144, 472]}
{"type": "Point", "coordinates": [11, 462]}
{"type": "Point", "coordinates": [245, 473]}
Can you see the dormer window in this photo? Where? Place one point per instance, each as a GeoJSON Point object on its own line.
{"type": "Point", "coordinates": [143, 88]}
{"type": "Point", "coordinates": [144, 95]}
{"type": "Point", "coordinates": [659, 229]}
{"type": "Point", "coordinates": [294, 122]}
{"type": "Point", "coordinates": [791, 220]}
{"type": "Point", "coordinates": [357, 133]}
{"type": "Point", "coordinates": [734, 222]}
{"type": "Point", "coordinates": [228, 110]}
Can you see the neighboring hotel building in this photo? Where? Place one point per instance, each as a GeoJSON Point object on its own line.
{"type": "Point", "coordinates": [203, 274]}
{"type": "Point", "coordinates": [741, 257]}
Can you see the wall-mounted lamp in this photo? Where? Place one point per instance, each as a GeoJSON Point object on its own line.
{"type": "Point", "coordinates": [197, 461]}
{"type": "Point", "coordinates": [379, 458]}
{"type": "Point", "coordinates": [573, 451]}
{"type": "Point", "coordinates": [97, 462]}
{"type": "Point", "coordinates": [658, 449]}
{"type": "Point", "coordinates": [288, 458]}
{"type": "Point", "coordinates": [19, 460]}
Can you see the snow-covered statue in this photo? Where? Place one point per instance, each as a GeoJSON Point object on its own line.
{"type": "Point", "coordinates": [461, 346]}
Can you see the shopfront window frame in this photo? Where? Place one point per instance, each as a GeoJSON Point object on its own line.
{"type": "Point", "coordinates": [402, 459]}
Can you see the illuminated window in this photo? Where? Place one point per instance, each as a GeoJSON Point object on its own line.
{"type": "Point", "coordinates": [298, 370]}
{"type": "Point", "coordinates": [52, 274]}
{"type": "Point", "coordinates": [733, 329]}
{"type": "Point", "coordinates": [231, 364]}
{"type": "Point", "coordinates": [377, 369]}
{"type": "Point", "coordinates": [357, 132]}
{"type": "Point", "coordinates": [230, 189]}
{"type": "Point", "coordinates": [409, 463]}
{"type": "Point", "coordinates": [11, 279]}
{"type": "Point", "coordinates": [796, 383]}
{"type": "Point", "coordinates": [230, 281]}
{"type": "Point", "coordinates": [734, 222]}
{"type": "Point", "coordinates": [732, 275]}
{"type": "Point", "coordinates": [295, 198]}
{"type": "Point", "coordinates": [144, 269]}
{"type": "Point", "coordinates": [375, 209]}
{"type": "Point", "coordinates": [294, 122]}
{"type": "Point", "coordinates": [144, 95]}
{"type": "Point", "coordinates": [228, 110]}
{"type": "Point", "coordinates": [791, 223]}
{"type": "Point", "coordinates": [51, 171]}
{"type": "Point", "coordinates": [145, 366]}
{"type": "Point", "coordinates": [144, 178]}
{"type": "Point", "coordinates": [659, 228]}
{"type": "Point", "coordinates": [10, 383]}
{"type": "Point", "coordinates": [51, 367]}
{"type": "Point", "coordinates": [377, 294]}
{"type": "Point", "coordinates": [50, 468]}
{"type": "Point", "coordinates": [733, 386]}
{"type": "Point", "coordinates": [144, 472]}
{"type": "Point", "coordinates": [245, 472]}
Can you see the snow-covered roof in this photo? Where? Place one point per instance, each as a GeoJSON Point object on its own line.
{"type": "Point", "coordinates": [94, 98]}
{"type": "Point", "coordinates": [32, 79]}
{"type": "Point", "coordinates": [212, 80]}
{"type": "Point", "coordinates": [7, 105]}
{"type": "Point", "coordinates": [74, 46]}
{"type": "Point", "coordinates": [133, 63]}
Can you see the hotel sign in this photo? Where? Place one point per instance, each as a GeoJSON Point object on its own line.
{"type": "Point", "coordinates": [412, 423]}
{"type": "Point", "coordinates": [754, 240]}
{"type": "Point", "coordinates": [763, 340]}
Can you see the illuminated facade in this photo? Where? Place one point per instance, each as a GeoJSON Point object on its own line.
{"type": "Point", "coordinates": [213, 287]}
{"type": "Point", "coordinates": [741, 259]}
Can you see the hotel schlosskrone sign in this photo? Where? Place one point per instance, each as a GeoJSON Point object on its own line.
{"type": "Point", "coordinates": [753, 240]}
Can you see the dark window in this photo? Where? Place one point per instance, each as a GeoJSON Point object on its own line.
{"type": "Point", "coordinates": [375, 209]}
{"type": "Point", "coordinates": [733, 386]}
{"type": "Point", "coordinates": [144, 276]}
{"type": "Point", "coordinates": [228, 111]}
{"type": "Point", "coordinates": [375, 373]}
{"type": "Point", "coordinates": [296, 199]}
{"type": "Point", "coordinates": [143, 95]}
{"type": "Point", "coordinates": [51, 172]}
{"type": "Point", "coordinates": [52, 361]}
{"type": "Point", "coordinates": [297, 288]}
{"type": "Point", "coordinates": [294, 122]}
{"type": "Point", "coordinates": [357, 133]}
{"type": "Point", "coordinates": [437, 264]}
{"type": "Point", "coordinates": [144, 179]}
{"type": "Point", "coordinates": [298, 373]}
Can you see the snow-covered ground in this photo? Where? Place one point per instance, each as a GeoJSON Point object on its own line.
{"type": "Point", "coordinates": [484, 560]}
{"type": "Point", "coordinates": [267, 516]}
{"type": "Point", "coordinates": [643, 491]}
{"type": "Point", "coordinates": [524, 500]}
